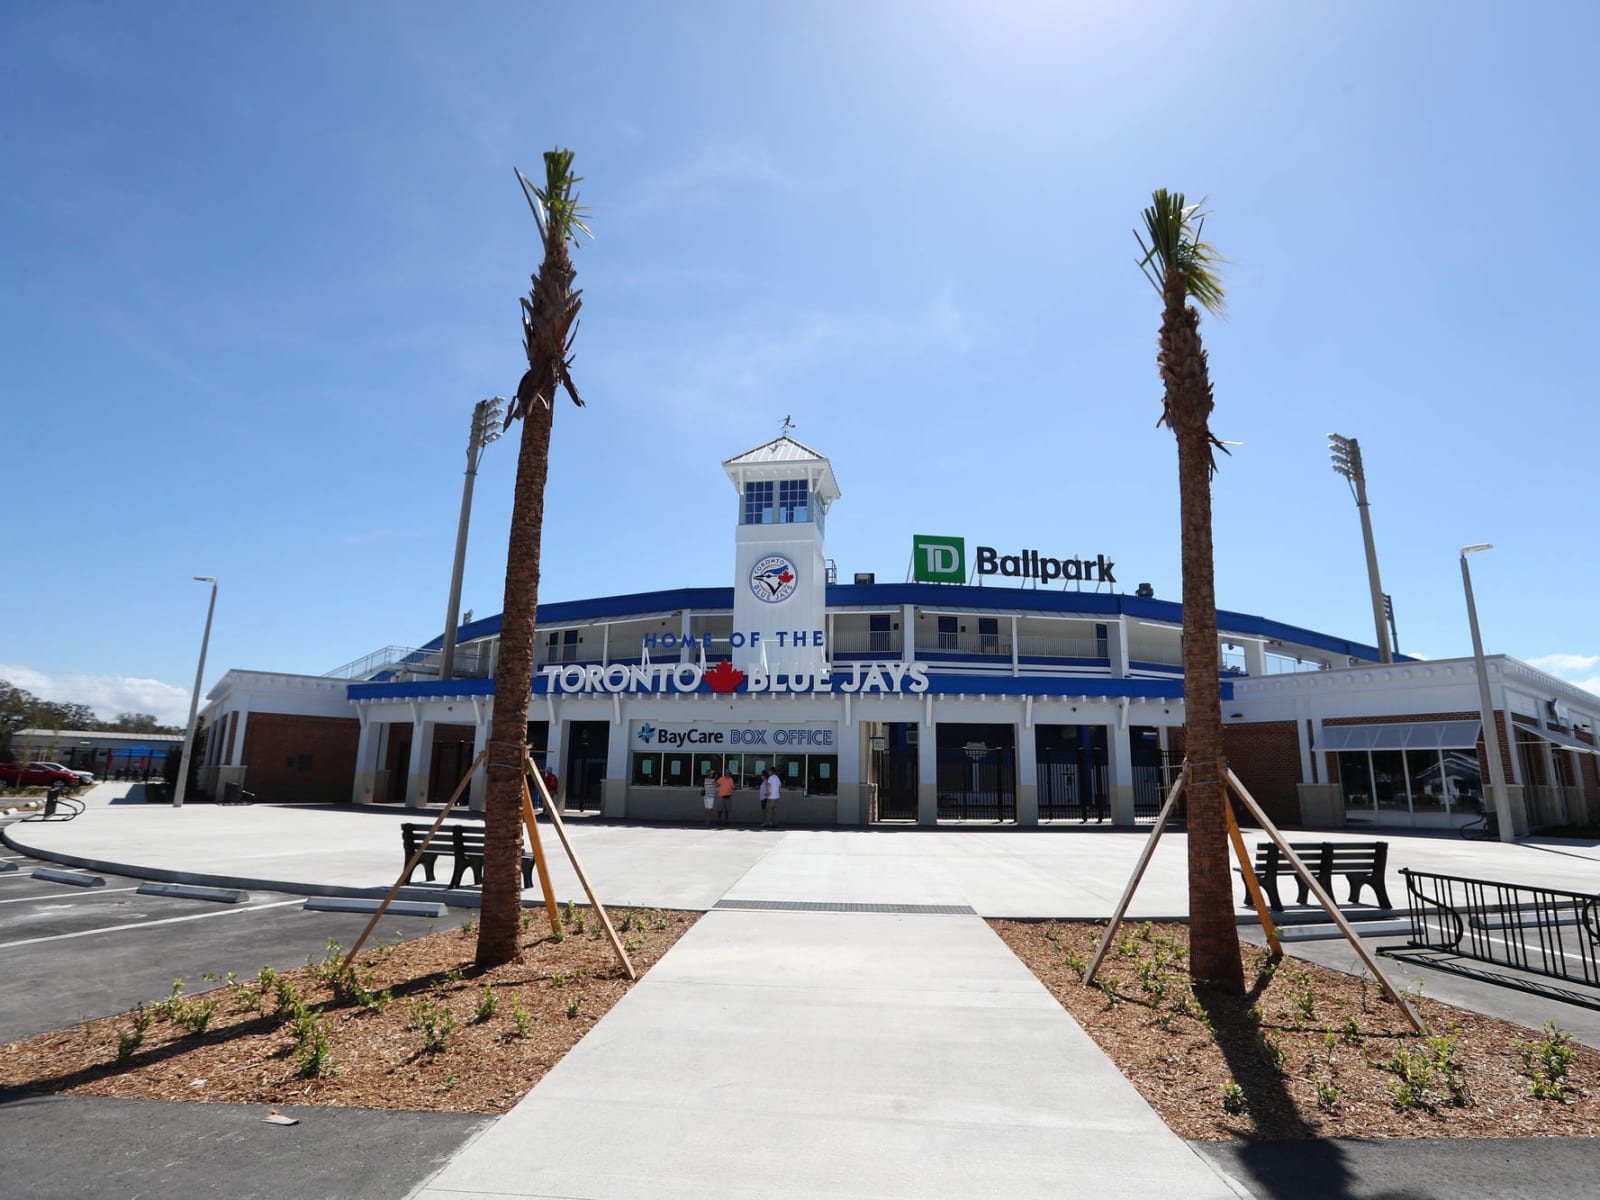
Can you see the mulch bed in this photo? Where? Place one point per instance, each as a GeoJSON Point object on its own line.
{"type": "Point", "coordinates": [447, 1037]}
{"type": "Point", "coordinates": [1307, 1052]}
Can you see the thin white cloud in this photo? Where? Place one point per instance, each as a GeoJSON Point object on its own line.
{"type": "Point", "coordinates": [767, 354]}
{"type": "Point", "coordinates": [1576, 669]}
{"type": "Point", "coordinates": [1565, 664]}
{"type": "Point", "coordinates": [108, 695]}
{"type": "Point", "coordinates": [707, 180]}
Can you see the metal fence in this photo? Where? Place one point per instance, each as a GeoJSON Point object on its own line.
{"type": "Point", "coordinates": [1539, 930]}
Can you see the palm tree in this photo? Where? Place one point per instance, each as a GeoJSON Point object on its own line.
{"type": "Point", "coordinates": [1183, 267]}
{"type": "Point", "coordinates": [549, 323]}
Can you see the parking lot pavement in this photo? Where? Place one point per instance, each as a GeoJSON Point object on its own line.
{"type": "Point", "coordinates": [70, 954]}
{"type": "Point", "coordinates": [69, 1147]}
{"type": "Point", "coordinates": [1415, 1169]}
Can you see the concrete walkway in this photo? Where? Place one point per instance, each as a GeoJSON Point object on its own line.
{"type": "Point", "coordinates": [790, 1054]}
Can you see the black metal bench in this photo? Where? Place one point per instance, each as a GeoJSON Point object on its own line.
{"type": "Point", "coordinates": [1362, 863]}
{"type": "Point", "coordinates": [464, 843]}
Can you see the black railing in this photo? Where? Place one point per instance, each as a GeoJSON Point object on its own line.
{"type": "Point", "coordinates": [1543, 931]}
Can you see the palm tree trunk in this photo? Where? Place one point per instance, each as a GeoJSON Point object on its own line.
{"type": "Point", "coordinates": [1213, 933]}
{"type": "Point", "coordinates": [501, 916]}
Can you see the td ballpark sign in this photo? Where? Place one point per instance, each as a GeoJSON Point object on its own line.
{"type": "Point", "coordinates": [944, 560]}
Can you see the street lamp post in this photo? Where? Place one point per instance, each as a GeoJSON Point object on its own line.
{"type": "Point", "coordinates": [1346, 455]}
{"type": "Point", "coordinates": [194, 698]}
{"type": "Point", "coordinates": [1491, 732]}
{"type": "Point", "coordinates": [484, 416]}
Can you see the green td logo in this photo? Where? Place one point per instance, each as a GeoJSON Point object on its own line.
{"type": "Point", "coordinates": [938, 559]}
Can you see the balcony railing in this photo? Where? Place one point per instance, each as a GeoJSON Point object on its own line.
{"type": "Point", "coordinates": [883, 642]}
{"type": "Point", "coordinates": [471, 662]}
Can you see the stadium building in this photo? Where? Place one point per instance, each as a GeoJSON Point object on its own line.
{"type": "Point", "coordinates": [1002, 684]}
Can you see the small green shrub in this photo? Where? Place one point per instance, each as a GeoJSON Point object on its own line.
{"type": "Point", "coordinates": [436, 1022]}
{"type": "Point", "coordinates": [488, 1002]}
{"type": "Point", "coordinates": [521, 1020]}
{"type": "Point", "coordinates": [1547, 1062]}
{"type": "Point", "coordinates": [572, 1008]}
{"type": "Point", "coordinates": [1327, 1093]}
{"type": "Point", "coordinates": [1232, 1098]}
{"type": "Point", "coordinates": [312, 1050]}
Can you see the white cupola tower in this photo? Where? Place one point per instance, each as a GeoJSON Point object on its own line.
{"type": "Point", "coordinates": [780, 598]}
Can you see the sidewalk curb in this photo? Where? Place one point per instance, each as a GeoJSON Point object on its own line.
{"type": "Point", "coordinates": [457, 898]}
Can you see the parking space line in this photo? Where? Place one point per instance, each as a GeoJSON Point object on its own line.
{"type": "Point", "coordinates": [61, 937]}
{"type": "Point", "coordinates": [59, 895]}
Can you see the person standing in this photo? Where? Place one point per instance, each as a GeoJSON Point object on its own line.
{"type": "Point", "coordinates": [770, 788]}
{"type": "Point", "coordinates": [708, 794]}
{"type": "Point", "coordinates": [724, 796]}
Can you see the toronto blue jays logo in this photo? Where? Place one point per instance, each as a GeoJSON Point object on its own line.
{"type": "Point", "coordinates": [774, 579]}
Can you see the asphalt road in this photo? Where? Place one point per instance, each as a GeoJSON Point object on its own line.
{"type": "Point", "coordinates": [70, 954]}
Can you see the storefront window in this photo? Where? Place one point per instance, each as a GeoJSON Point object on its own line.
{"type": "Point", "coordinates": [1355, 777]}
{"type": "Point", "coordinates": [646, 770]}
{"type": "Point", "coordinates": [1389, 780]}
{"type": "Point", "coordinates": [791, 770]}
{"type": "Point", "coordinates": [675, 770]}
{"type": "Point", "coordinates": [1426, 774]}
{"type": "Point", "coordinates": [755, 766]}
{"type": "Point", "coordinates": [1465, 780]}
{"type": "Point", "coordinates": [823, 775]}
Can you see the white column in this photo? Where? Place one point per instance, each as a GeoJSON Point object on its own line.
{"type": "Point", "coordinates": [1255, 659]}
{"type": "Point", "coordinates": [421, 760]}
{"type": "Point", "coordinates": [851, 799]}
{"type": "Point", "coordinates": [363, 787]}
{"type": "Point", "coordinates": [478, 789]}
{"type": "Point", "coordinates": [614, 791]}
{"type": "Point", "coordinates": [908, 633]}
{"type": "Point", "coordinates": [1119, 756]}
{"type": "Point", "coordinates": [1027, 773]}
{"type": "Point", "coordinates": [236, 759]}
{"type": "Point", "coordinates": [928, 774]}
{"type": "Point", "coordinates": [1117, 647]}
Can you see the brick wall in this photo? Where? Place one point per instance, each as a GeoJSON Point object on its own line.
{"type": "Point", "coordinates": [1265, 755]}
{"type": "Point", "coordinates": [292, 758]}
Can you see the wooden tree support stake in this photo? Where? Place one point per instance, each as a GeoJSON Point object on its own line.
{"type": "Point", "coordinates": [1138, 874]}
{"type": "Point", "coordinates": [572, 856]}
{"type": "Point", "coordinates": [416, 857]}
{"type": "Point", "coordinates": [1323, 899]}
{"type": "Point", "coordinates": [1271, 830]}
{"type": "Point", "coordinates": [539, 864]}
{"type": "Point", "coordinates": [1251, 883]}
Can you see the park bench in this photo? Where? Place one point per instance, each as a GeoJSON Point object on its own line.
{"type": "Point", "coordinates": [464, 843]}
{"type": "Point", "coordinates": [1362, 863]}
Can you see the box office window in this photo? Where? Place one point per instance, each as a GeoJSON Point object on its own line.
{"type": "Point", "coordinates": [646, 770]}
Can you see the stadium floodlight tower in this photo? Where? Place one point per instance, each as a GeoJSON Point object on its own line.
{"type": "Point", "coordinates": [485, 415]}
{"type": "Point", "coordinates": [1346, 455]}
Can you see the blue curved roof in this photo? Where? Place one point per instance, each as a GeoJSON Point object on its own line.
{"type": "Point", "coordinates": [940, 595]}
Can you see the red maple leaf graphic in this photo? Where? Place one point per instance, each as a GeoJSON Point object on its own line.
{"type": "Point", "coordinates": [724, 677]}
{"type": "Point", "coordinates": [785, 577]}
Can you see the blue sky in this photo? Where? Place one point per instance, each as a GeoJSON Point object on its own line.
{"type": "Point", "coordinates": [260, 261]}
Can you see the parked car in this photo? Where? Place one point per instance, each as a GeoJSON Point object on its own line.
{"type": "Point", "coordinates": [38, 775]}
{"type": "Point", "coordinates": [84, 777]}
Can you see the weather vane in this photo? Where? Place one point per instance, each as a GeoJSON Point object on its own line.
{"type": "Point", "coordinates": [787, 425]}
